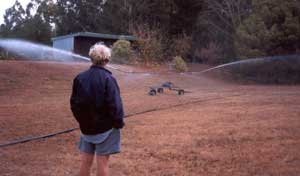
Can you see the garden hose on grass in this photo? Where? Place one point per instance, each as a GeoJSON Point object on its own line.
{"type": "Point", "coordinates": [24, 140]}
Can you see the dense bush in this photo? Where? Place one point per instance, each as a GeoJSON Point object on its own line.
{"type": "Point", "coordinates": [182, 46]}
{"type": "Point", "coordinates": [150, 50]}
{"type": "Point", "coordinates": [149, 42]}
{"type": "Point", "coordinates": [121, 52]}
{"type": "Point", "coordinates": [179, 64]}
{"type": "Point", "coordinates": [271, 29]}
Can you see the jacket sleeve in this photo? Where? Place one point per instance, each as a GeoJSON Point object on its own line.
{"type": "Point", "coordinates": [114, 102]}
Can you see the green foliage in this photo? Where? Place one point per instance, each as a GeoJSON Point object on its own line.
{"type": "Point", "coordinates": [19, 23]}
{"type": "Point", "coordinates": [121, 52]}
{"type": "Point", "coordinates": [150, 50]}
{"type": "Point", "coordinates": [79, 15]}
{"type": "Point", "coordinates": [149, 43]}
{"type": "Point", "coordinates": [244, 28]}
{"type": "Point", "coordinates": [182, 45]}
{"type": "Point", "coordinates": [273, 28]}
{"type": "Point", "coordinates": [179, 64]}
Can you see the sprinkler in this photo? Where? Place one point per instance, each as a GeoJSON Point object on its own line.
{"type": "Point", "coordinates": [166, 85]}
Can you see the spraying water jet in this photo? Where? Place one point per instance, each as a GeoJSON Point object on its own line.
{"type": "Point", "coordinates": [273, 69]}
{"type": "Point", "coordinates": [252, 61]}
{"type": "Point", "coordinates": [29, 50]}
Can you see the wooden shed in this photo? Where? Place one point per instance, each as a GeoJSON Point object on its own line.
{"type": "Point", "coordinates": [81, 42]}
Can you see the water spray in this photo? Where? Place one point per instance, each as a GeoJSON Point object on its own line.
{"type": "Point", "coordinates": [252, 61]}
{"type": "Point", "coordinates": [29, 50]}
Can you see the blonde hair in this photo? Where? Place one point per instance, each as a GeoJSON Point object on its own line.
{"type": "Point", "coordinates": [99, 54]}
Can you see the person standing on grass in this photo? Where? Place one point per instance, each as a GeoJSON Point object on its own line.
{"type": "Point", "coordinates": [97, 106]}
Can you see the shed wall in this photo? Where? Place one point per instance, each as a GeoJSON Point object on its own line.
{"type": "Point", "coordinates": [82, 44]}
{"type": "Point", "coordinates": [64, 44]}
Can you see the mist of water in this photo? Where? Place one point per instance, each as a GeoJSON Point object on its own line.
{"type": "Point", "coordinates": [255, 61]}
{"type": "Point", "coordinates": [233, 64]}
{"type": "Point", "coordinates": [28, 50]}
{"type": "Point", "coordinates": [33, 51]}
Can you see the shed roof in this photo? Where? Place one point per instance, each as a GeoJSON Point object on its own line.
{"type": "Point", "coordinates": [95, 35]}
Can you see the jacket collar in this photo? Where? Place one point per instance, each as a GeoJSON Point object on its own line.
{"type": "Point", "coordinates": [99, 67]}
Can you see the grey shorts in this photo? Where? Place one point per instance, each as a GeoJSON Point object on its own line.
{"type": "Point", "coordinates": [111, 145]}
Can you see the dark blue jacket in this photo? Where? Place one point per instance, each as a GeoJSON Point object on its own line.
{"type": "Point", "coordinates": [95, 101]}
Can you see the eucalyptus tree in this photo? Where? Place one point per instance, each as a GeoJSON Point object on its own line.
{"type": "Point", "coordinates": [273, 28]}
{"type": "Point", "coordinates": [78, 15]}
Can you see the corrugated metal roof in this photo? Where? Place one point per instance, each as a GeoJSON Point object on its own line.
{"type": "Point", "coordinates": [96, 35]}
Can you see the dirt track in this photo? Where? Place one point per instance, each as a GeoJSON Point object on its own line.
{"type": "Point", "coordinates": [231, 130]}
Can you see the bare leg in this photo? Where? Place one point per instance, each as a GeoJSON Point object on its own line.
{"type": "Point", "coordinates": [86, 163]}
{"type": "Point", "coordinates": [102, 165]}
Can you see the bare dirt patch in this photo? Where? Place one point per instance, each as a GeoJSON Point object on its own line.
{"type": "Point", "coordinates": [230, 129]}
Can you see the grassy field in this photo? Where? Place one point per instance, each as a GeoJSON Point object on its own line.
{"type": "Point", "coordinates": [219, 128]}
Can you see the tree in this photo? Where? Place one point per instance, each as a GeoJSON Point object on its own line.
{"type": "Point", "coordinates": [20, 23]}
{"type": "Point", "coordinates": [41, 34]}
{"type": "Point", "coordinates": [226, 15]}
{"type": "Point", "coordinates": [126, 14]}
{"type": "Point", "coordinates": [78, 15]}
{"type": "Point", "coordinates": [273, 28]}
{"type": "Point", "coordinates": [13, 21]}
{"type": "Point", "coordinates": [217, 23]}
{"type": "Point", "coordinates": [46, 9]}
{"type": "Point", "coordinates": [183, 16]}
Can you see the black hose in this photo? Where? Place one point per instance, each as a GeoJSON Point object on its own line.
{"type": "Point", "coordinates": [130, 115]}
{"type": "Point", "coordinates": [37, 137]}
